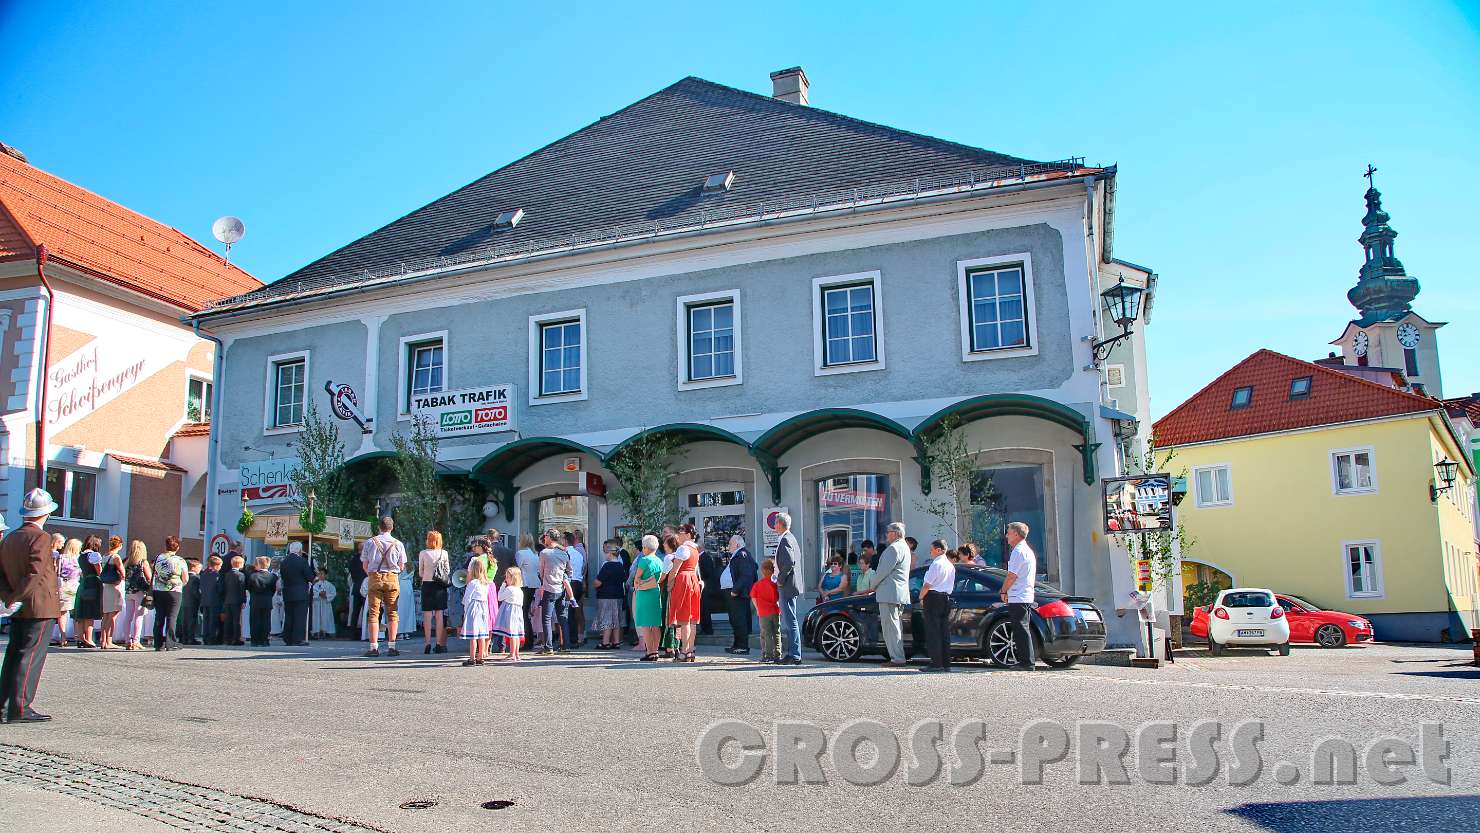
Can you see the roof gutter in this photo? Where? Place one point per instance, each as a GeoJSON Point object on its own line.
{"type": "Point", "coordinates": [213, 444]}
{"type": "Point", "coordinates": [45, 368]}
{"type": "Point", "coordinates": [408, 280]}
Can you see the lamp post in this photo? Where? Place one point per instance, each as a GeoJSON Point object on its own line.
{"type": "Point", "coordinates": [1122, 304]}
{"type": "Point", "coordinates": [1447, 470]}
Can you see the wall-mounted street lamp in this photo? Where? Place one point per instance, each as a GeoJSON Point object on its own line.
{"type": "Point", "coordinates": [1123, 306]}
{"type": "Point", "coordinates": [1448, 470]}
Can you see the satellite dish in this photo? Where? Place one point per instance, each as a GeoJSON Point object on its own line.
{"type": "Point", "coordinates": [228, 230]}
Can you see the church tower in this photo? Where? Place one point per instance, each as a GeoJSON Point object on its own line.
{"type": "Point", "coordinates": [1389, 333]}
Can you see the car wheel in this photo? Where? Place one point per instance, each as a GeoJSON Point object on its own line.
{"type": "Point", "coordinates": [1330, 636]}
{"type": "Point", "coordinates": [1213, 647]}
{"type": "Point", "coordinates": [1284, 649]}
{"type": "Point", "coordinates": [1000, 650]}
{"type": "Point", "coordinates": [838, 639]}
{"type": "Point", "coordinates": [1062, 662]}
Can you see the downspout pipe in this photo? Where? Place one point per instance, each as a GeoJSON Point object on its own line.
{"type": "Point", "coordinates": [213, 442]}
{"type": "Point", "coordinates": [41, 257]}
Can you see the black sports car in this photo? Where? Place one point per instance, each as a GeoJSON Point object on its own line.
{"type": "Point", "coordinates": [1065, 627]}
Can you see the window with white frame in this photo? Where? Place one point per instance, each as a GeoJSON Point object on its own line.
{"type": "Point", "coordinates": [1114, 375]}
{"type": "Point", "coordinates": [1213, 486]}
{"type": "Point", "coordinates": [845, 313]}
{"type": "Point", "coordinates": [709, 339]}
{"type": "Point", "coordinates": [75, 492]}
{"type": "Point", "coordinates": [1363, 569]}
{"type": "Point", "coordinates": [557, 357]}
{"type": "Point", "coordinates": [289, 383]}
{"type": "Point", "coordinates": [997, 306]}
{"type": "Point", "coordinates": [1352, 472]}
{"type": "Point", "coordinates": [848, 324]}
{"type": "Point", "coordinates": [198, 399]}
{"type": "Point", "coordinates": [425, 367]}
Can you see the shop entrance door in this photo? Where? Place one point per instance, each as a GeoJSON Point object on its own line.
{"type": "Point", "coordinates": [717, 511]}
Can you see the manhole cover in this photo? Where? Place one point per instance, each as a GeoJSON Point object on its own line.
{"type": "Point", "coordinates": [497, 805]}
{"type": "Point", "coordinates": [423, 804]}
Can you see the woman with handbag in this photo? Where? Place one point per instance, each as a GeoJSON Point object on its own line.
{"type": "Point", "coordinates": [112, 592]}
{"type": "Point", "coordinates": [434, 569]}
{"type": "Point", "coordinates": [138, 583]}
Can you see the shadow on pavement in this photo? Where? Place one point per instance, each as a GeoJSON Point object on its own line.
{"type": "Point", "coordinates": [1439, 814]}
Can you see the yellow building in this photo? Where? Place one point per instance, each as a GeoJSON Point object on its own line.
{"type": "Point", "coordinates": [1315, 480]}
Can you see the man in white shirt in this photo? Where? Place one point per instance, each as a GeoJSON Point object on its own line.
{"type": "Point", "coordinates": [936, 604]}
{"type": "Point", "coordinates": [1017, 591]}
{"type": "Point", "coordinates": [384, 558]}
{"type": "Point", "coordinates": [554, 581]}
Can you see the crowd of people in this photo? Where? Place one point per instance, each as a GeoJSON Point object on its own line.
{"type": "Point", "coordinates": [72, 591]}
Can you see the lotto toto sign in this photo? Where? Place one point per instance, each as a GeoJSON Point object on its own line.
{"type": "Point", "coordinates": [458, 413]}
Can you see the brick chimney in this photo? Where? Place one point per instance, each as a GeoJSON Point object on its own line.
{"type": "Point", "coordinates": [790, 85]}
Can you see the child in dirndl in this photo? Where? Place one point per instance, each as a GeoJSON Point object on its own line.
{"type": "Point", "coordinates": [510, 621]}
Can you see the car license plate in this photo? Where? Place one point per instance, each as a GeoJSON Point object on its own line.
{"type": "Point", "coordinates": [1249, 632]}
{"type": "Point", "coordinates": [1090, 615]}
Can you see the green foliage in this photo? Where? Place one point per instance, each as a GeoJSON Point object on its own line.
{"type": "Point", "coordinates": [464, 498]}
{"type": "Point", "coordinates": [415, 466]}
{"type": "Point", "coordinates": [313, 521]}
{"type": "Point", "coordinates": [645, 486]}
{"type": "Point", "coordinates": [952, 472]}
{"type": "Point", "coordinates": [1202, 593]}
{"type": "Point", "coordinates": [1164, 549]}
{"type": "Point", "coordinates": [244, 523]}
{"type": "Point", "coordinates": [320, 470]}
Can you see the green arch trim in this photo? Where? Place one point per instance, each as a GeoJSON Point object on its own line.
{"type": "Point", "coordinates": [790, 432]}
{"type": "Point", "coordinates": [1020, 404]}
{"type": "Point", "coordinates": [499, 467]}
{"type": "Point", "coordinates": [687, 431]}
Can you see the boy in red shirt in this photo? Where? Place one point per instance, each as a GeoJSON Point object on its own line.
{"type": "Point", "coordinates": [764, 596]}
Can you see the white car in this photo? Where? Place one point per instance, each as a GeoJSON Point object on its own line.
{"type": "Point", "coordinates": [1248, 616]}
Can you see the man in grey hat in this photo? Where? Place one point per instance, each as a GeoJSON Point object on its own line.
{"type": "Point", "coordinates": [28, 575]}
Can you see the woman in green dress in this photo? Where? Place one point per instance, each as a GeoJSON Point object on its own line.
{"type": "Point", "coordinates": [647, 603]}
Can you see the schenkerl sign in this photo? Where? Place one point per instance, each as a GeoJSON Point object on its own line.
{"type": "Point", "coordinates": [457, 413]}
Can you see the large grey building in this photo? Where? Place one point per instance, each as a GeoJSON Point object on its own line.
{"type": "Point", "coordinates": [798, 295]}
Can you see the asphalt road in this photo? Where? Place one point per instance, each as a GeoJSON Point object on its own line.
{"type": "Point", "coordinates": [593, 741]}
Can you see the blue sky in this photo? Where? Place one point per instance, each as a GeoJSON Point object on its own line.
{"type": "Point", "coordinates": [1240, 133]}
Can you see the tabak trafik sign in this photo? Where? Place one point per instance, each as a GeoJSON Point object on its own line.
{"type": "Point", "coordinates": [459, 413]}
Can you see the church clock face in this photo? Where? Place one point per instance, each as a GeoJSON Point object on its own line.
{"type": "Point", "coordinates": [1359, 344]}
{"type": "Point", "coordinates": [1408, 336]}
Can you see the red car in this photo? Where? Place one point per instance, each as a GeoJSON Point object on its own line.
{"type": "Point", "coordinates": [1308, 623]}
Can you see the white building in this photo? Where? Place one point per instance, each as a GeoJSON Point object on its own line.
{"type": "Point", "coordinates": [800, 296]}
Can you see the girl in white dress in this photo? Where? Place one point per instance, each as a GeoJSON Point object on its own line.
{"type": "Point", "coordinates": [475, 613]}
{"type": "Point", "coordinates": [321, 594]}
{"type": "Point", "coordinates": [510, 623]}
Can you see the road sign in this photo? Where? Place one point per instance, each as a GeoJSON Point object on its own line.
{"type": "Point", "coordinates": [220, 545]}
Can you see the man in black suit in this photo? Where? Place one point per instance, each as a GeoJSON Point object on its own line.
{"type": "Point", "coordinates": [355, 607]}
{"type": "Point", "coordinates": [233, 596]}
{"type": "Point", "coordinates": [210, 600]}
{"type": "Point", "coordinates": [28, 576]}
{"type": "Point", "coordinates": [297, 575]}
{"type": "Point", "coordinates": [735, 583]}
{"type": "Point", "coordinates": [501, 554]}
{"type": "Point", "coordinates": [187, 627]}
{"type": "Point", "coordinates": [710, 597]}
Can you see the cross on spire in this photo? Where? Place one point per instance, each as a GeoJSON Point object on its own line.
{"type": "Point", "coordinates": [1370, 171]}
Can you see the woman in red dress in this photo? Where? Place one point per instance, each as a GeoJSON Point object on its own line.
{"type": "Point", "coordinates": [684, 592]}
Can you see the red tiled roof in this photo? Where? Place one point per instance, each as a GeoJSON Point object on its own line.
{"type": "Point", "coordinates": [1465, 406]}
{"type": "Point", "coordinates": [107, 240]}
{"type": "Point", "coordinates": [1335, 397]}
{"type": "Point", "coordinates": [194, 429]}
{"type": "Point", "coordinates": [144, 463]}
